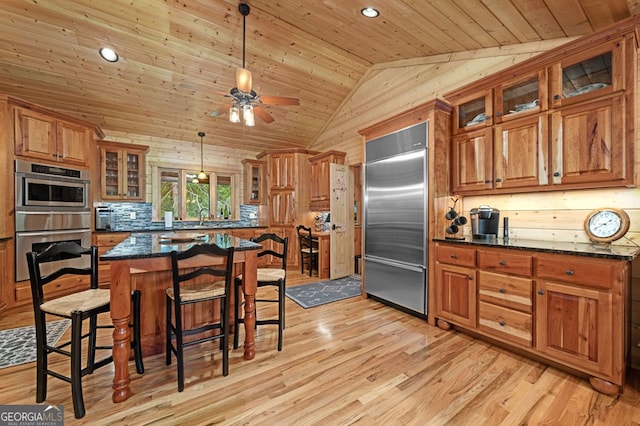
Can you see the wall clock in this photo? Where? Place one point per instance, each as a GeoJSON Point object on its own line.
{"type": "Point", "coordinates": [605, 225]}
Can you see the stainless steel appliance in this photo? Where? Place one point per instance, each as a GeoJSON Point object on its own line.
{"type": "Point", "coordinates": [52, 205]}
{"type": "Point", "coordinates": [395, 219]}
{"type": "Point", "coordinates": [485, 222]}
{"type": "Point", "coordinates": [103, 218]}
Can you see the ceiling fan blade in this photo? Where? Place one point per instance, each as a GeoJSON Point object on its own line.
{"type": "Point", "coordinates": [279, 100]}
{"type": "Point", "coordinates": [220, 111]}
{"type": "Point", "coordinates": [263, 114]}
{"type": "Point", "coordinates": [243, 80]}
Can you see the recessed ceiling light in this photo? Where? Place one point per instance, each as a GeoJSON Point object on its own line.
{"type": "Point", "coordinates": [108, 54]}
{"type": "Point", "coordinates": [370, 12]}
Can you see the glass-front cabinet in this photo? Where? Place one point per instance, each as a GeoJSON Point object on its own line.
{"type": "Point", "coordinates": [587, 75]}
{"type": "Point", "coordinates": [473, 111]}
{"type": "Point", "coordinates": [521, 96]}
{"type": "Point", "coordinates": [253, 181]}
{"type": "Point", "coordinates": [122, 171]}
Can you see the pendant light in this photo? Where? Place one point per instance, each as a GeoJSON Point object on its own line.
{"type": "Point", "coordinates": [247, 115]}
{"type": "Point", "coordinates": [202, 176]}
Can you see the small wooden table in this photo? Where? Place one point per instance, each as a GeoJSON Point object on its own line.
{"type": "Point", "coordinates": [144, 252]}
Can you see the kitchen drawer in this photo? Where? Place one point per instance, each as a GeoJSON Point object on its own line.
{"type": "Point", "coordinates": [505, 324]}
{"type": "Point", "coordinates": [455, 255]}
{"type": "Point", "coordinates": [504, 262]}
{"type": "Point", "coordinates": [109, 239]}
{"type": "Point", "coordinates": [575, 270]}
{"type": "Point", "coordinates": [505, 290]}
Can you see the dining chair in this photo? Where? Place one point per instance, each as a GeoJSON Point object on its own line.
{"type": "Point", "coordinates": [308, 249]}
{"type": "Point", "coordinates": [275, 246]}
{"type": "Point", "coordinates": [78, 307]}
{"type": "Point", "coordinates": [198, 284]}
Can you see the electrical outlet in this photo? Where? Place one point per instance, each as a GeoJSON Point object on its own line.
{"type": "Point", "coordinates": [132, 215]}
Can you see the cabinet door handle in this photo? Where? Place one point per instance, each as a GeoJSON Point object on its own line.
{"type": "Point", "coordinates": [502, 263]}
{"type": "Point", "coordinates": [502, 290]}
{"type": "Point", "coordinates": [469, 277]}
{"type": "Point", "coordinates": [502, 323]}
{"type": "Point", "coordinates": [569, 271]}
{"type": "Point", "coordinates": [498, 113]}
{"type": "Point", "coordinates": [556, 174]}
{"type": "Point", "coordinates": [541, 292]}
{"type": "Point", "coordinates": [556, 97]}
{"type": "Point", "coordinates": [487, 181]}
{"type": "Point", "coordinates": [498, 179]}
{"type": "Point", "coordinates": [453, 256]}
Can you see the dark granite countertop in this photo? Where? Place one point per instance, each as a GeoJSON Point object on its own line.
{"type": "Point", "coordinates": [578, 249]}
{"type": "Point", "coordinates": [142, 245]}
{"type": "Point", "coordinates": [183, 226]}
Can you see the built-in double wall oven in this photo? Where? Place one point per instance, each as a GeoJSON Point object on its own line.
{"type": "Point", "coordinates": [52, 205]}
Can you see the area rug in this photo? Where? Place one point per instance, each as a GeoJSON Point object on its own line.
{"type": "Point", "coordinates": [323, 292]}
{"type": "Point", "coordinates": [18, 345]}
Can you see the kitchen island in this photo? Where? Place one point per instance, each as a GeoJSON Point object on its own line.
{"type": "Point", "coordinates": [560, 302]}
{"type": "Point", "coordinates": [143, 261]}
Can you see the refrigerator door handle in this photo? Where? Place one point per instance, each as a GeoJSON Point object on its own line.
{"type": "Point", "coordinates": [410, 267]}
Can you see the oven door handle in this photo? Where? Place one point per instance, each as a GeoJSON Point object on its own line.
{"type": "Point", "coordinates": [49, 233]}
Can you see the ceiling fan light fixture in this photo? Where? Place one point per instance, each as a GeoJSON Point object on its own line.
{"type": "Point", "coordinates": [247, 114]}
{"type": "Point", "coordinates": [243, 80]}
{"type": "Point", "coordinates": [234, 114]}
{"type": "Point", "coordinates": [369, 12]}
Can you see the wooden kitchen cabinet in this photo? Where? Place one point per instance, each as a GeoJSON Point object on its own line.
{"type": "Point", "coordinates": [589, 146]}
{"type": "Point", "coordinates": [561, 121]}
{"type": "Point", "coordinates": [321, 180]}
{"type": "Point", "coordinates": [254, 185]}
{"type": "Point", "coordinates": [122, 171]}
{"type": "Point", "coordinates": [568, 309]}
{"type": "Point", "coordinates": [472, 158]}
{"type": "Point", "coordinates": [288, 194]}
{"type": "Point", "coordinates": [456, 286]}
{"type": "Point", "coordinates": [44, 137]}
{"type": "Point", "coordinates": [105, 241]}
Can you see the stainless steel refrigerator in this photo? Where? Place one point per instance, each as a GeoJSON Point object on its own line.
{"type": "Point", "coordinates": [395, 219]}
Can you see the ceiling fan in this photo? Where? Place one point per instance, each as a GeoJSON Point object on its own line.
{"type": "Point", "coordinates": [243, 99]}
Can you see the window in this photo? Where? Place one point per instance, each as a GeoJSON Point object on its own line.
{"type": "Point", "coordinates": [182, 194]}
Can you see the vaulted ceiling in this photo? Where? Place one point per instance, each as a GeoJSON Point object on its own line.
{"type": "Point", "coordinates": [178, 57]}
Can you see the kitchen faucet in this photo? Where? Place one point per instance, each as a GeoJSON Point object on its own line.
{"type": "Point", "coordinates": [202, 211]}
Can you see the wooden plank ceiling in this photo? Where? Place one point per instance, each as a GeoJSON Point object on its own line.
{"type": "Point", "coordinates": [178, 57]}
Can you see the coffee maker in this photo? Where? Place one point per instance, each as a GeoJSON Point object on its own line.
{"type": "Point", "coordinates": [485, 222]}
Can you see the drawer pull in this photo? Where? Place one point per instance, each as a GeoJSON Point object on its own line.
{"type": "Point", "coordinates": [502, 263]}
{"type": "Point", "coordinates": [502, 290]}
{"type": "Point", "coordinates": [541, 292]}
{"type": "Point", "coordinates": [453, 256]}
{"type": "Point", "coordinates": [569, 271]}
{"type": "Point", "coordinates": [502, 323]}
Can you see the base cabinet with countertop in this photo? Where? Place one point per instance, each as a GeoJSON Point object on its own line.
{"type": "Point", "coordinates": [569, 308]}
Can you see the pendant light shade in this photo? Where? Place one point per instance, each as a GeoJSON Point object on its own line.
{"type": "Point", "coordinates": [234, 114]}
{"type": "Point", "coordinates": [243, 80]}
{"type": "Point", "coordinates": [202, 176]}
{"type": "Point", "coordinates": [247, 114]}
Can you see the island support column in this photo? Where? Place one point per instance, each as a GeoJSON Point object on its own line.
{"type": "Point", "coordinates": [120, 288]}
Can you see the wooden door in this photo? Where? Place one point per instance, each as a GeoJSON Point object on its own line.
{"type": "Point", "coordinates": [473, 161]}
{"type": "Point", "coordinates": [456, 294]}
{"type": "Point", "coordinates": [574, 325]}
{"type": "Point", "coordinates": [588, 144]}
{"type": "Point", "coordinates": [521, 153]}
{"type": "Point", "coordinates": [35, 135]}
{"type": "Point", "coordinates": [73, 143]}
{"type": "Point", "coordinates": [341, 222]}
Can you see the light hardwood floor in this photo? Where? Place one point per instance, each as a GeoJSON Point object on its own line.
{"type": "Point", "coordinates": [350, 362]}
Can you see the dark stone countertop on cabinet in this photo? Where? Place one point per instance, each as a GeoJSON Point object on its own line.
{"type": "Point", "coordinates": [152, 244]}
{"type": "Point", "coordinates": [617, 252]}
